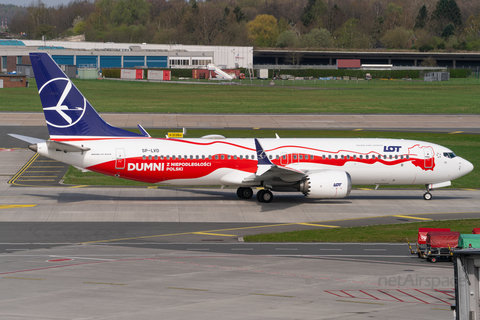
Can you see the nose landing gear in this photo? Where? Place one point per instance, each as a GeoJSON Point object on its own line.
{"type": "Point", "coordinates": [427, 195]}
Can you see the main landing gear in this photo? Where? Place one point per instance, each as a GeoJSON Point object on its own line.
{"type": "Point", "coordinates": [263, 195]}
{"type": "Point", "coordinates": [244, 193]}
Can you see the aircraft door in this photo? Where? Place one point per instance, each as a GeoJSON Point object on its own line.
{"type": "Point", "coordinates": [428, 156]}
{"type": "Point", "coordinates": [120, 158]}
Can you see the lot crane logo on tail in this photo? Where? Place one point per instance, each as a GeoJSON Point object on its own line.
{"type": "Point", "coordinates": [70, 106]}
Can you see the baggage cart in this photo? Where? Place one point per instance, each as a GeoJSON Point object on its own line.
{"type": "Point", "coordinates": [440, 245]}
{"type": "Point", "coordinates": [422, 240]}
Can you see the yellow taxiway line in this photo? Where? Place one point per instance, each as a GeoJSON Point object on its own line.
{"type": "Point", "coordinates": [410, 217]}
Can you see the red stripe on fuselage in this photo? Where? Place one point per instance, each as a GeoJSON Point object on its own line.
{"type": "Point", "coordinates": [155, 171]}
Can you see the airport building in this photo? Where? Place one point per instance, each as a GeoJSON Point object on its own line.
{"type": "Point", "coordinates": [101, 55]}
{"type": "Point", "coordinates": [124, 55]}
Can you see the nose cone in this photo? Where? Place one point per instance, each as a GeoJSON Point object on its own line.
{"type": "Point", "coordinates": [467, 166]}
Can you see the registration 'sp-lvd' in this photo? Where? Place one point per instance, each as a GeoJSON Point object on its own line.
{"type": "Point", "coordinates": [318, 168]}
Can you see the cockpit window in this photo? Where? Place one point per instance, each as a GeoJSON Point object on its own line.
{"type": "Point", "coordinates": [450, 155]}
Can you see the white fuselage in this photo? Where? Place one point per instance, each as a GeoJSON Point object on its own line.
{"type": "Point", "coordinates": [231, 161]}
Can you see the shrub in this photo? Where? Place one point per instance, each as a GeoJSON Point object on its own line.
{"type": "Point", "coordinates": [425, 48]}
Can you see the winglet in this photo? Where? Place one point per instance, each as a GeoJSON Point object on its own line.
{"type": "Point", "coordinates": [143, 131]}
{"type": "Point", "coordinates": [261, 156]}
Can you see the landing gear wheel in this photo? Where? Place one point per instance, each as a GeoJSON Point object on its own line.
{"type": "Point", "coordinates": [427, 196]}
{"type": "Point", "coordinates": [244, 193]}
{"type": "Point", "coordinates": [264, 196]}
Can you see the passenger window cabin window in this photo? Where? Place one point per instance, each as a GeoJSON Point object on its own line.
{"type": "Point", "coordinates": [150, 157]}
{"type": "Point", "coordinates": [210, 157]}
{"type": "Point", "coordinates": [156, 157]}
{"type": "Point", "coordinates": [342, 156]}
{"type": "Point", "coordinates": [144, 157]}
{"type": "Point", "coordinates": [301, 157]}
{"type": "Point", "coordinates": [197, 157]}
{"type": "Point", "coordinates": [161, 157]}
{"type": "Point", "coordinates": [360, 156]}
{"type": "Point", "coordinates": [336, 156]}
{"type": "Point", "coordinates": [277, 157]}
{"type": "Point", "coordinates": [229, 157]}
{"type": "Point", "coordinates": [323, 157]}
{"type": "Point", "coordinates": [168, 157]}
{"type": "Point", "coordinates": [396, 156]}
{"type": "Point", "coordinates": [216, 157]}
{"type": "Point", "coordinates": [407, 156]}
{"type": "Point", "coordinates": [354, 156]}
{"type": "Point", "coordinates": [222, 157]}
{"type": "Point", "coordinates": [390, 157]}
{"type": "Point", "coordinates": [329, 156]}
{"type": "Point", "coordinates": [269, 157]}
{"type": "Point", "coordinates": [348, 157]}
{"type": "Point", "coordinates": [366, 157]}
{"type": "Point", "coordinates": [311, 157]}
{"type": "Point", "coordinates": [284, 157]}
{"type": "Point", "coordinates": [203, 157]}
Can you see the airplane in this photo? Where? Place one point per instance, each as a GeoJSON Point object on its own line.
{"type": "Point", "coordinates": [318, 168]}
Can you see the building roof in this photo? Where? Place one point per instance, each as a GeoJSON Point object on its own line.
{"type": "Point", "coordinates": [8, 42]}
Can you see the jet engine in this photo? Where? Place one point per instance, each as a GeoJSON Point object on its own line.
{"type": "Point", "coordinates": [327, 184]}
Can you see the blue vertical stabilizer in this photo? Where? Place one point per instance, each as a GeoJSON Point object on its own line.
{"type": "Point", "coordinates": [67, 112]}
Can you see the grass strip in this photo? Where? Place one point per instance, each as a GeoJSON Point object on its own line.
{"type": "Point", "coordinates": [456, 96]}
{"type": "Point", "coordinates": [380, 233]}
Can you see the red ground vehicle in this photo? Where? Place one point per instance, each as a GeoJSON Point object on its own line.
{"type": "Point", "coordinates": [422, 239]}
{"type": "Point", "coordinates": [441, 244]}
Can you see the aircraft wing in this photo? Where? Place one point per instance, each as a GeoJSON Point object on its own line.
{"type": "Point", "coordinates": [266, 170]}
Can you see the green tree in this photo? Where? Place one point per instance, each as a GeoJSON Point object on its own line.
{"type": "Point", "coordinates": [313, 12]}
{"type": "Point", "coordinates": [287, 39]}
{"type": "Point", "coordinates": [397, 38]}
{"type": "Point", "coordinates": [447, 11]}
{"type": "Point", "coordinates": [263, 30]}
{"type": "Point", "coordinates": [45, 30]}
{"type": "Point", "coordinates": [239, 15]}
{"type": "Point", "coordinates": [422, 18]}
{"type": "Point", "coordinates": [393, 15]}
{"type": "Point", "coordinates": [448, 31]}
{"type": "Point", "coordinates": [346, 34]}
{"type": "Point", "coordinates": [130, 12]}
{"type": "Point", "coordinates": [317, 38]}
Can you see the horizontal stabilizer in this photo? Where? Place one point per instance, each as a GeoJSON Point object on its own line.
{"type": "Point", "coordinates": [65, 147]}
{"type": "Point", "coordinates": [30, 140]}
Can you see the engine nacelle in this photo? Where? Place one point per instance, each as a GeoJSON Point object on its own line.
{"type": "Point", "coordinates": [327, 185]}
